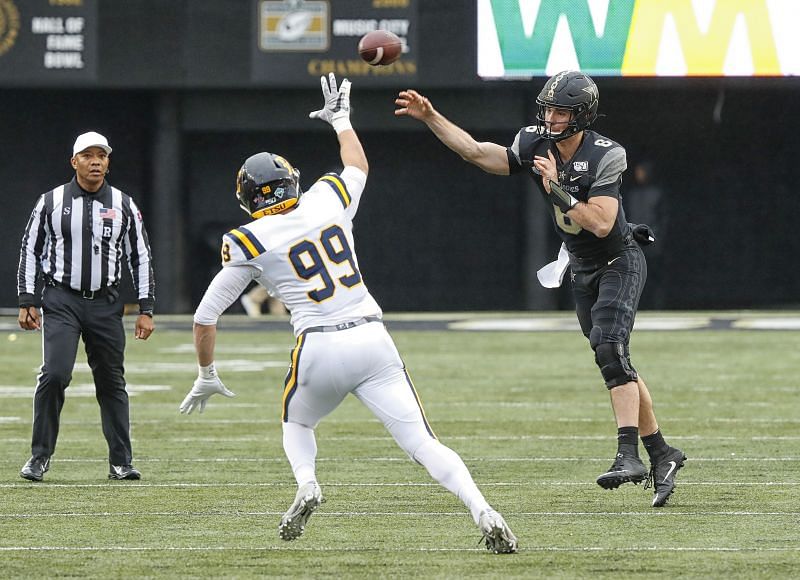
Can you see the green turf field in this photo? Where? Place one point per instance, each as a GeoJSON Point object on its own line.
{"type": "Point", "coordinates": [526, 410]}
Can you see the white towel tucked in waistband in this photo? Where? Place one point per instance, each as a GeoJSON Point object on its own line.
{"type": "Point", "coordinates": [551, 275]}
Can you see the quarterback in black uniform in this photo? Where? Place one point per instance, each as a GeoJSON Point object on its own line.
{"type": "Point", "coordinates": [579, 173]}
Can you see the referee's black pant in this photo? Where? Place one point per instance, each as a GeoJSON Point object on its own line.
{"type": "Point", "coordinates": [66, 317]}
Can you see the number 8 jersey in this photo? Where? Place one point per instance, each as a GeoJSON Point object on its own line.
{"type": "Point", "coordinates": [305, 258]}
{"type": "Point", "coordinates": [595, 169]}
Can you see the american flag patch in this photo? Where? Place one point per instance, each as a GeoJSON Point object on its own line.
{"type": "Point", "coordinates": [108, 213]}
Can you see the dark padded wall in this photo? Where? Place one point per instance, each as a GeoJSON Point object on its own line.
{"type": "Point", "coordinates": [431, 232]}
{"type": "Point", "coordinates": [39, 128]}
{"type": "Point", "coordinates": [434, 232]}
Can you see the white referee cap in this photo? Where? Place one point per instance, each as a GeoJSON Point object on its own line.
{"type": "Point", "coordinates": [90, 139]}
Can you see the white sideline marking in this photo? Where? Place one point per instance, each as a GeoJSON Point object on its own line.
{"type": "Point", "coordinates": [653, 514]}
{"type": "Point", "coordinates": [571, 324]}
{"type": "Point", "coordinates": [788, 323]}
{"type": "Point", "coordinates": [591, 484]}
{"type": "Point", "coordinates": [264, 438]}
{"type": "Point", "coordinates": [294, 548]}
{"type": "Point", "coordinates": [335, 421]}
{"type": "Point", "coordinates": [190, 368]}
{"type": "Point", "coordinates": [261, 349]}
{"type": "Point", "coordinates": [76, 390]}
{"type": "Point", "coordinates": [402, 459]}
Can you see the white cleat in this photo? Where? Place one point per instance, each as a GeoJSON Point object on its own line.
{"type": "Point", "coordinates": [293, 522]}
{"type": "Point", "coordinates": [496, 534]}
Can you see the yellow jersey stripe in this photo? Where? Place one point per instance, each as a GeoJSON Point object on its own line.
{"type": "Point", "coordinates": [247, 242]}
{"type": "Point", "coordinates": [338, 186]}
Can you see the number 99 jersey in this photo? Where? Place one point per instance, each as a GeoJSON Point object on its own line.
{"type": "Point", "coordinates": [306, 257]}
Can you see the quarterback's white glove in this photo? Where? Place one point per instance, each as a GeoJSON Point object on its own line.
{"type": "Point", "coordinates": [202, 389]}
{"type": "Point", "coordinates": [337, 104]}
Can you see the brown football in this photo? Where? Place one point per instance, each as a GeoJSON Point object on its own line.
{"type": "Point", "coordinates": [380, 47]}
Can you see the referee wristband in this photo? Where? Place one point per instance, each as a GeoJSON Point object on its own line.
{"type": "Point", "coordinates": [146, 313]}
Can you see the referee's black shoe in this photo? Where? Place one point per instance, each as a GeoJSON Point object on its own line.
{"type": "Point", "coordinates": [35, 468]}
{"type": "Point", "coordinates": [626, 468]}
{"type": "Point", "coordinates": [123, 472]}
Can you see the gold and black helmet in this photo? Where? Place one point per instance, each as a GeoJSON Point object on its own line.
{"type": "Point", "coordinates": [571, 90]}
{"type": "Point", "coordinates": [267, 184]}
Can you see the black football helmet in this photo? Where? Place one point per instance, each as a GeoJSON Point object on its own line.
{"type": "Point", "coordinates": [267, 184]}
{"type": "Point", "coordinates": [570, 90]}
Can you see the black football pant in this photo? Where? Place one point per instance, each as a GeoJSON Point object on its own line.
{"type": "Point", "coordinates": [65, 318]}
{"type": "Point", "coordinates": [607, 296]}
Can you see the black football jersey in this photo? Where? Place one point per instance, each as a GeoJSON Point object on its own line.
{"type": "Point", "coordinates": [595, 169]}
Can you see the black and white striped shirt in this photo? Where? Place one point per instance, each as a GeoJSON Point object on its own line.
{"type": "Point", "coordinates": [79, 239]}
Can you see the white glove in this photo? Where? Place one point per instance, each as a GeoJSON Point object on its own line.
{"type": "Point", "coordinates": [206, 384]}
{"type": "Point", "coordinates": [337, 104]}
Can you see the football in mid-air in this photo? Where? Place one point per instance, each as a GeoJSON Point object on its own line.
{"type": "Point", "coordinates": [380, 47]}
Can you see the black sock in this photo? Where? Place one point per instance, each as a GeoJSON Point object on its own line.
{"type": "Point", "coordinates": [655, 444]}
{"type": "Point", "coordinates": [628, 441]}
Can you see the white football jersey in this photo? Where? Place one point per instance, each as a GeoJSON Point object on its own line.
{"type": "Point", "coordinates": [306, 257]}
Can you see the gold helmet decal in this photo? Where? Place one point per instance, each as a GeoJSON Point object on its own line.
{"type": "Point", "coordinates": [285, 163]}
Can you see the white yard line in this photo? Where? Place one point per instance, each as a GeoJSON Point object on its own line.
{"type": "Point", "coordinates": [264, 438]}
{"type": "Point", "coordinates": [651, 513]}
{"type": "Point", "coordinates": [516, 484]}
{"type": "Point", "coordinates": [382, 549]}
{"type": "Point", "coordinates": [403, 459]}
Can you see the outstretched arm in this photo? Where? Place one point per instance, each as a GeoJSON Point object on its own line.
{"type": "Point", "coordinates": [336, 111]}
{"type": "Point", "coordinates": [351, 151]}
{"type": "Point", "coordinates": [490, 157]}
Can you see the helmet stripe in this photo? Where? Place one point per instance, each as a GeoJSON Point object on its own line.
{"type": "Point", "coordinates": [338, 186]}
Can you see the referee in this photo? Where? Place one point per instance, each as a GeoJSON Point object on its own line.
{"type": "Point", "coordinates": [78, 237]}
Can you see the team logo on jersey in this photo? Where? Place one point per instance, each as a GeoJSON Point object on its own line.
{"type": "Point", "coordinates": [581, 166]}
{"type": "Point", "coordinates": [67, 210]}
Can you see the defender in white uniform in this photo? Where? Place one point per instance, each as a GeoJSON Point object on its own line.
{"type": "Point", "coordinates": [301, 250]}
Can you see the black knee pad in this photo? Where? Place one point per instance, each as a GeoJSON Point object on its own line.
{"type": "Point", "coordinates": [595, 336]}
{"type": "Point", "coordinates": [615, 366]}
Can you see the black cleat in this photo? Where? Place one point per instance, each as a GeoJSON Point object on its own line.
{"type": "Point", "coordinates": [662, 475]}
{"type": "Point", "coordinates": [124, 472]}
{"type": "Point", "coordinates": [626, 468]}
{"type": "Point", "coordinates": [35, 468]}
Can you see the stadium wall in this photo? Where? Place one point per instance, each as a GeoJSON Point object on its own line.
{"type": "Point", "coordinates": [174, 93]}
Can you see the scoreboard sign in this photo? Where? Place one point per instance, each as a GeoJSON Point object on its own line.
{"type": "Point", "coordinates": [644, 38]}
{"type": "Point", "coordinates": [297, 41]}
{"type": "Point", "coordinates": [48, 41]}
